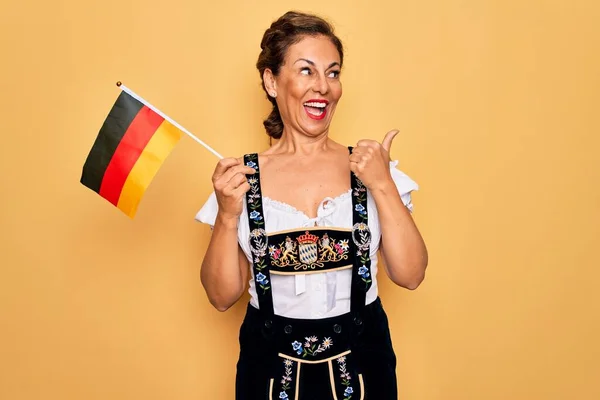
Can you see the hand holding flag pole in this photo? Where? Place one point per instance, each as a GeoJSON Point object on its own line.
{"type": "Point", "coordinates": [132, 144]}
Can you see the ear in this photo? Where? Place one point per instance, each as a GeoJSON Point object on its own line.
{"type": "Point", "coordinates": [269, 80]}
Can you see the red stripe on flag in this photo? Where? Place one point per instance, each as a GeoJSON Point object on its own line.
{"type": "Point", "coordinates": [139, 133]}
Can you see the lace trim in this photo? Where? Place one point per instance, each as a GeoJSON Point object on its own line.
{"type": "Point", "coordinates": [282, 206]}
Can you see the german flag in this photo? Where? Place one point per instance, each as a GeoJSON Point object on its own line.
{"type": "Point", "coordinates": [131, 146]}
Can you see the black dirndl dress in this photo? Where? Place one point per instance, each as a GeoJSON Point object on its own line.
{"type": "Point", "coordinates": [349, 356]}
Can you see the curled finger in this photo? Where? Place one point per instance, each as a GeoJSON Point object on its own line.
{"type": "Point", "coordinates": [240, 190]}
{"type": "Point", "coordinates": [237, 180]}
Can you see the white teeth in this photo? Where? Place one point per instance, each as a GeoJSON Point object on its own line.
{"type": "Point", "coordinates": [315, 104]}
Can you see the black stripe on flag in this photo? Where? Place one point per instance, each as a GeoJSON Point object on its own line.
{"type": "Point", "coordinates": [111, 133]}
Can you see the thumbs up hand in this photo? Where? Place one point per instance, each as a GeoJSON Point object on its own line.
{"type": "Point", "coordinates": [370, 161]}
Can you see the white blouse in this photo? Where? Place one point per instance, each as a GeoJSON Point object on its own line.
{"type": "Point", "coordinates": [317, 295]}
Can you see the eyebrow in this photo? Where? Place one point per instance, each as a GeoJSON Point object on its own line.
{"type": "Point", "coordinates": [333, 64]}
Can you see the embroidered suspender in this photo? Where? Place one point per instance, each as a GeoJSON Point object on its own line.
{"type": "Point", "coordinates": [258, 237]}
{"type": "Point", "coordinates": [361, 241]}
{"type": "Point", "coordinates": [361, 236]}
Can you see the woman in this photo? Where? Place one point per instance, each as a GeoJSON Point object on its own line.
{"type": "Point", "coordinates": [315, 327]}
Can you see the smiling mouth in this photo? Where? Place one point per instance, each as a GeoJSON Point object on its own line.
{"type": "Point", "coordinates": [316, 109]}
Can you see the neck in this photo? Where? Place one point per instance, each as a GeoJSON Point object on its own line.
{"type": "Point", "coordinates": [296, 143]}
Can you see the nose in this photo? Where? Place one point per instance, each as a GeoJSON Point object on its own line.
{"type": "Point", "coordinates": [321, 85]}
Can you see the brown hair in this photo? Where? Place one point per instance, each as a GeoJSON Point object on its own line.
{"type": "Point", "coordinates": [289, 29]}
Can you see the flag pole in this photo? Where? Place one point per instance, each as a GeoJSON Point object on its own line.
{"type": "Point", "coordinates": [134, 95]}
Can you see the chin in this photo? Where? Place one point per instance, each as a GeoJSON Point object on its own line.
{"type": "Point", "coordinates": [315, 128]}
{"type": "Point", "coordinates": [316, 131]}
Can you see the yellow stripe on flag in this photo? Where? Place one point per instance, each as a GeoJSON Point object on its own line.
{"type": "Point", "coordinates": [156, 151]}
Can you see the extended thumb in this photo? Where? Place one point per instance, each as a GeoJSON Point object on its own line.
{"type": "Point", "coordinates": [389, 137]}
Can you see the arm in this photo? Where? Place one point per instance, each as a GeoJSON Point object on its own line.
{"type": "Point", "coordinates": [224, 269]}
{"type": "Point", "coordinates": [224, 272]}
{"type": "Point", "coordinates": [402, 247]}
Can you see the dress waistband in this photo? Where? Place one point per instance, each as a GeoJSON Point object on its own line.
{"type": "Point", "coordinates": [313, 340]}
{"type": "Point", "coordinates": [365, 315]}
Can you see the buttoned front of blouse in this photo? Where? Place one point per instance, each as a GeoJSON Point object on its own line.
{"type": "Point", "coordinates": [316, 295]}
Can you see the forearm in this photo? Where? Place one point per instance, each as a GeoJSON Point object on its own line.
{"type": "Point", "coordinates": [221, 273]}
{"type": "Point", "coordinates": [402, 247]}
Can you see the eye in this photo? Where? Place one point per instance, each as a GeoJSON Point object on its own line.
{"type": "Point", "coordinates": [334, 74]}
{"type": "Point", "coordinates": [305, 71]}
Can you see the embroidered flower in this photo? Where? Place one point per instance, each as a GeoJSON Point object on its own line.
{"type": "Point", "coordinates": [344, 244]}
{"type": "Point", "coordinates": [363, 271]}
{"type": "Point", "coordinates": [263, 282]}
{"type": "Point", "coordinates": [345, 375]}
{"type": "Point", "coordinates": [364, 274]}
{"type": "Point", "coordinates": [255, 215]}
{"type": "Point", "coordinates": [309, 348]}
{"type": "Point", "coordinates": [361, 209]}
{"type": "Point", "coordinates": [261, 278]}
{"type": "Point", "coordinates": [358, 191]}
{"type": "Point", "coordinates": [253, 180]}
{"type": "Point", "coordinates": [286, 379]}
{"type": "Point", "coordinates": [251, 164]}
{"type": "Point", "coordinates": [297, 346]}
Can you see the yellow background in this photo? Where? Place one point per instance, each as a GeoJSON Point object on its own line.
{"type": "Point", "coordinates": [497, 103]}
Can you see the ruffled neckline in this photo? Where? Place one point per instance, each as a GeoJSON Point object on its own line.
{"type": "Point", "coordinates": [285, 207]}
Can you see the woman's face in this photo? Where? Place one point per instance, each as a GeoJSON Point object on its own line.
{"type": "Point", "coordinates": [308, 86]}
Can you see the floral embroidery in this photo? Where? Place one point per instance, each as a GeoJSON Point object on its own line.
{"type": "Point", "coordinates": [255, 215]}
{"type": "Point", "coordinates": [286, 379]}
{"type": "Point", "coordinates": [364, 274]}
{"type": "Point", "coordinates": [258, 247]}
{"type": "Point", "coordinates": [262, 281]}
{"type": "Point", "coordinates": [308, 251]}
{"type": "Point", "coordinates": [310, 347]}
{"type": "Point", "coordinates": [253, 195]}
{"type": "Point", "coordinates": [258, 236]}
{"type": "Point", "coordinates": [361, 234]}
{"type": "Point", "coordinates": [360, 209]}
{"type": "Point", "coordinates": [360, 194]}
{"type": "Point", "coordinates": [346, 378]}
